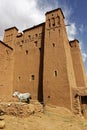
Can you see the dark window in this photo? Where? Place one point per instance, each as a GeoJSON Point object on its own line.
{"type": "Point", "coordinates": [59, 32]}
{"type": "Point", "coordinates": [21, 45]}
{"type": "Point", "coordinates": [84, 99]}
{"type": "Point", "coordinates": [49, 23]}
{"type": "Point", "coordinates": [29, 36]}
{"type": "Point", "coordinates": [53, 22]}
{"type": "Point", "coordinates": [35, 43]}
{"type": "Point", "coordinates": [19, 78]}
{"type": "Point", "coordinates": [26, 52]}
{"type": "Point", "coordinates": [22, 41]}
{"type": "Point", "coordinates": [36, 35]}
{"type": "Point", "coordinates": [53, 44]}
{"type": "Point", "coordinates": [32, 77]}
{"type": "Point", "coordinates": [55, 73]}
{"type": "Point", "coordinates": [40, 48]}
{"type": "Point", "coordinates": [58, 20]}
{"type": "Point", "coordinates": [48, 96]}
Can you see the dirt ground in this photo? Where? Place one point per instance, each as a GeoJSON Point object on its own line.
{"type": "Point", "coordinates": [34, 117]}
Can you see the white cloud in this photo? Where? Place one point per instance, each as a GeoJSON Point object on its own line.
{"type": "Point", "coordinates": [19, 13]}
{"type": "Point", "coordinates": [1, 37]}
{"type": "Point", "coordinates": [81, 28]}
{"type": "Point", "coordinates": [84, 55]}
{"type": "Point", "coordinates": [81, 45]}
{"type": "Point", "coordinates": [23, 13]}
{"type": "Point", "coordinates": [27, 13]}
{"type": "Point", "coordinates": [72, 31]}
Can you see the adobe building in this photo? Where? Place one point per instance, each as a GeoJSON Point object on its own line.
{"type": "Point", "coordinates": [41, 60]}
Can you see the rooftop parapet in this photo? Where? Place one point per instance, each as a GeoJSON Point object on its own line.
{"type": "Point", "coordinates": [11, 28]}
{"type": "Point", "coordinates": [54, 11]}
{"type": "Point", "coordinates": [74, 43]}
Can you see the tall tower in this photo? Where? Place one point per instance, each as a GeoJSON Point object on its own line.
{"type": "Point", "coordinates": [10, 36]}
{"type": "Point", "coordinates": [58, 69]}
{"type": "Point", "coordinates": [79, 70]}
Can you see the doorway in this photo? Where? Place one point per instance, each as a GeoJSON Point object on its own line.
{"type": "Point", "coordinates": [83, 101]}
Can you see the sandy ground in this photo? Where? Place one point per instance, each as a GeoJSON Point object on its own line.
{"type": "Point", "coordinates": [52, 118]}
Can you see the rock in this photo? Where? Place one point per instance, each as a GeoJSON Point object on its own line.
{"type": "Point", "coordinates": [2, 124]}
{"type": "Point", "coordinates": [1, 118]}
{"type": "Point", "coordinates": [1, 112]}
{"type": "Point", "coordinates": [20, 109]}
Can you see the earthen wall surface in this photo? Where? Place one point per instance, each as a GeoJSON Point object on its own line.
{"type": "Point", "coordinates": [27, 61]}
{"type": "Point", "coordinates": [6, 72]}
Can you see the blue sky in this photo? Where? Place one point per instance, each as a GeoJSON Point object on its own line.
{"type": "Point", "coordinates": [27, 13]}
{"type": "Point", "coordinates": [78, 15]}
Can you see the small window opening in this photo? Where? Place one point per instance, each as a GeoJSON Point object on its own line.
{"type": "Point", "coordinates": [40, 48]}
{"type": "Point", "coordinates": [19, 77]}
{"type": "Point", "coordinates": [33, 77]}
{"type": "Point", "coordinates": [58, 20]}
{"type": "Point", "coordinates": [55, 73]}
{"type": "Point", "coordinates": [29, 35]}
{"type": "Point", "coordinates": [53, 44]}
{"type": "Point", "coordinates": [48, 96]}
{"type": "Point", "coordinates": [21, 45]}
{"type": "Point", "coordinates": [53, 22]}
{"type": "Point", "coordinates": [83, 99]}
{"type": "Point", "coordinates": [59, 32]}
{"type": "Point", "coordinates": [49, 23]}
{"type": "Point", "coordinates": [36, 35]}
{"type": "Point", "coordinates": [35, 43]}
{"type": "Point", "coordinates": [26, 52]}
{"type": "Point", "coordinates": [22, 41]}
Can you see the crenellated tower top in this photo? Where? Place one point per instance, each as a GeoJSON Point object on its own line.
{"type": "Point", "coordinates": [54, 18]}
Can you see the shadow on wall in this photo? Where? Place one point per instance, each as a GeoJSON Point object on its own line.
{"type": "Point", "coordinates": [40, 81]}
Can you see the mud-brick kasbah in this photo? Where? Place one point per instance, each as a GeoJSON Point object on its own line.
{"type": "Point", "coordinates": [41, 60]}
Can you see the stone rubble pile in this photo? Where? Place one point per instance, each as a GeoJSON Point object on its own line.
{"type": "Point", "coordinates": [20, 109]}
